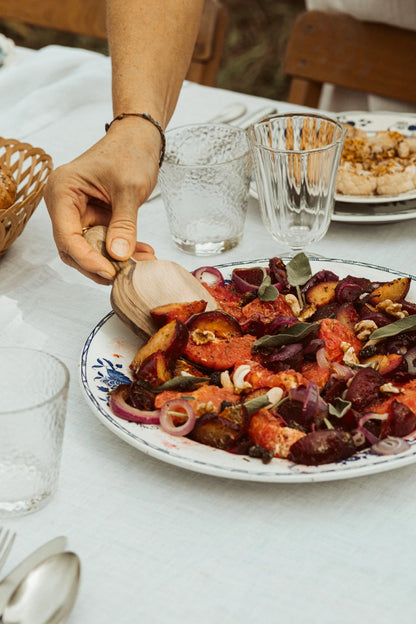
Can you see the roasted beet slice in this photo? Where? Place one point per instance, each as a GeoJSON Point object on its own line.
{"type": "Point", "coordinates": [364, 388]}
{"type": "Point", "coordinates": [322, 447]}
{"type": "Point", "coordinates": [289, 356]}
{"type": "Point", "coordinates": [278, 273]}
{"type": "Point", "coordinates": [347, 292]}
{"type": "Point", "coordinates": [347, 315]}
{"type": "Point", "coordinates": [409, 306]}
{"type": "Point", "coordinates": [403, 419]}
{"type": "Point", "coordinates": [291, 412]}
{"type": "Point", "coordinates": [257, 325]}
{"type": "Point", "coordinates": [368, 313]}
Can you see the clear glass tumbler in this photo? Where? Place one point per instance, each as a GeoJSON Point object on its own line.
{"type": "Point", "coordinates": [296, 158]}
{"type": "Point", "coordinates": [205, 181]}
{"type": "Point", "coordinates": [33, 391]}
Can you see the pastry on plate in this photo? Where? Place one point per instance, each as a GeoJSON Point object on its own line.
{"type": "Point", "coordinates": [381, 164]}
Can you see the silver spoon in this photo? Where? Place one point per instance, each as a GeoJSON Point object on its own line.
{"type": "Point", "coordinates": [47, 594]}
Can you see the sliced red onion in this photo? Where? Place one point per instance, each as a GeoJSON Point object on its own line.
{"type": "Point", "coordinates": [301, 393]}
{"type": "Point", "coordinates": [248, 280]}
{"type": "Point", "coordinates": [321, 359]}
{"type": "Point", "coordinates": [390, 446]}
{"type": "Point", "coordinates": [340, 371]}
{"type": "Point", "coordinates": [310, 404]}
{"type": "Point", "coordinates": [178, 407]}
{"type": "Point", "coordinates": [280, 320]}
{"type": "Point", "coordinates": [120, 407]}
{"type": "Point", "coordinates": [370, 416]}
{"type": "Point", "coordinates": [410, 358]}
{"type": "Point", "coordinates": [209, 275]}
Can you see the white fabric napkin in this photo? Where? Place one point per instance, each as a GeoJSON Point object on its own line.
{"type": "Point", "coordinates": [45, 87]}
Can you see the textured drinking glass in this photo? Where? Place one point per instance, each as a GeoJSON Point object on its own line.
{"type": "Point", "coordinates": [295, 158]}
{"type": "Point", "coordinates": [205, 180]}
{"type": "Point", "coordinates": [33, 391]}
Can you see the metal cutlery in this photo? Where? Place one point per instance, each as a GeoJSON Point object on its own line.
{"type": "Point", "coordinates": [230, 113]}
{"type": "Point", "coordinates": [257, 116]}
{"type": "Point", "coordinates": [9, 583]}
{"type": "Point", "coordinates": [6, 544]}
{"type": "Point", "coordinates": [47, 593]}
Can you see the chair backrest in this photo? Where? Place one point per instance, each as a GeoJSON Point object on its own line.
{"type": "Point", "coordinates": [338, 49]}
{"type": "Point", "coordinates": [88, 17]}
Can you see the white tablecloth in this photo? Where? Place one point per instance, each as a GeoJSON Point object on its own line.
{"type": "Point", "coordinates": [160, 544]}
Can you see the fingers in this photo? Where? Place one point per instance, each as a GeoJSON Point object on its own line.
{"type": "Point", "coordinates": [104, 186]}
{"type": "Point", "coordinates": [144, 251]}
{"type": "Point", "coordinates": [66, 208]}
{"type": "Point", "coordinates": [122, 234]}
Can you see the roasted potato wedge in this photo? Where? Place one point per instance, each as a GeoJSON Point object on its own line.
{"type": "Point", "coordinates": [171, 339]}
{"type": "Point", "coordinates": [322, 293]}
{"type": "Point", "coordinates": [395, 290]}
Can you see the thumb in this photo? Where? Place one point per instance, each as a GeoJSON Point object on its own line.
{"type": "Point", "coordinates": [122, 229]}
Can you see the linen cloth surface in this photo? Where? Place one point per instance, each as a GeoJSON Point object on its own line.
{"type": "Point", "coordinates": [160, 544]}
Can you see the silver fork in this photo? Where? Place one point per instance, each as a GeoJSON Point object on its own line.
{"type": "Point", "coordinates": [6, 543]}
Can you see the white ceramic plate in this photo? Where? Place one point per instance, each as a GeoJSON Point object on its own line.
{"type": "Point", "coordinates": [105, 360]}
{"type": "Point", "coordinates": [405, 123]}
{"type": "Point", "coordinates": [367, 213]}
{"type": "Point", "coordinates": [374, 213]}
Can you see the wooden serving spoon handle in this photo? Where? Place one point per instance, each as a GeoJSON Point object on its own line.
{"type": "Point", "coordinates": [141, 286]}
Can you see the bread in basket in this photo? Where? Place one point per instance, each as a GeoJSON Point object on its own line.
{"type": "Point", "coordinates": [28, 167]}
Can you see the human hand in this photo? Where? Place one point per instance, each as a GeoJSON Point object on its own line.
{"type": "Point", "coordinates": [105, 186]}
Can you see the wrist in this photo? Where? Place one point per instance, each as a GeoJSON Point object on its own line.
{"type": "Point", "coordinates": [147, 118]}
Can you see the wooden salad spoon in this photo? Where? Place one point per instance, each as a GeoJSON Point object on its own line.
{"type": "Point", "coordinates": [141, 286]}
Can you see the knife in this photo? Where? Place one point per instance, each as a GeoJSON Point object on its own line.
{"type": "Point", "coordinates": [12, 580]}
{"type": "Point", "coordinates": [257, 115]}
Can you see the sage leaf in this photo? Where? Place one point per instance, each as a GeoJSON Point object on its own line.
{"type": "Point", "coordinates": [266, 290]}
{"type": "Point", "coordinates": [181, 383]}
{"type": "Point", "coordinates": [406, 324]}
{"type": "Point", "coordinates": [298, 270]}
{"type": "Point", "coordinates": [292, 334]}
{"type": "Point", "coordinates": [339, 407]}
{"type": "Point", "coordinates": [253, 405]}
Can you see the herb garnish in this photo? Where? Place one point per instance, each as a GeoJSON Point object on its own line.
{"type": "Point", "coordinates": [266, 291]}
{"type": "Point", "coordinates": [406, 324]}
{"type": "Point", "coordinates": [299, 271]}
{"type": "Point", "coordinates": [292, 334]}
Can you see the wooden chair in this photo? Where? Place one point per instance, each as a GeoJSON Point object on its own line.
{"type": "Point", "coordinates": [338, 49]}
{"type": "Point", "coordinates": [88, 17]}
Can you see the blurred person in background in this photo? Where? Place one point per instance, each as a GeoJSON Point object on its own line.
{"type": "Point", "coordinates": [400, 13]}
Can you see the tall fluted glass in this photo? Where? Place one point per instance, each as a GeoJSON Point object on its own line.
{"type": "Point", "coordinates": [295, 159]}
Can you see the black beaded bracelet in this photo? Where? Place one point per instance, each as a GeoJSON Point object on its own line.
{"type": "Point", "coordinates": [148, 117]}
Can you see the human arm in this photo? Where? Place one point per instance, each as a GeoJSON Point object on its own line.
{"type": "Point", "coordinates": [151, 46]}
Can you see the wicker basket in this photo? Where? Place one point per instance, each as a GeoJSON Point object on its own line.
{"type": "Point", "coordinates": [30, 166]}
